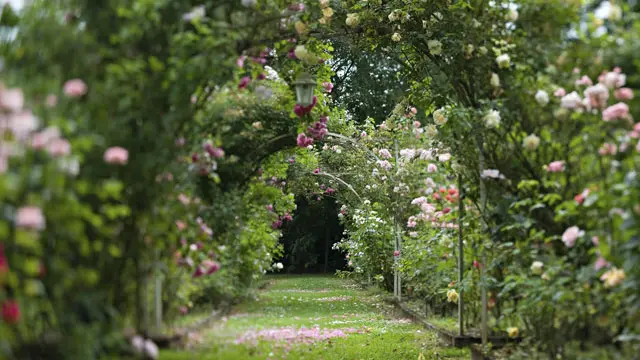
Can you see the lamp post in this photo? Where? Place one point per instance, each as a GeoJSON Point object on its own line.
{"type": "Point", "coordinates": [305, 84]}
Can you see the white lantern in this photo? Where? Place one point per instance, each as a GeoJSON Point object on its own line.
{"type": "Point", "coordinates": [305, 85]}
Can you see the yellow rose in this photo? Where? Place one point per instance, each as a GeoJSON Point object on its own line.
{"type": "Point", "coordinates": [327, 12]}
{"type": "Point", "coordinates": [513, 332]}
{"type": "Point", "coordinates": [452, 296]}
{"type": "Point", "coordinates": [301, 28]}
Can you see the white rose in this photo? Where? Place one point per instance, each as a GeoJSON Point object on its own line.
{"type": "Point", "coordinates": [531, 142]}
{"type": "Point", "coordinates": [492, 119]}
{"type": "Point", "coordinates": [512, 15]}
{"type": "Point", "coordinates": [537, 267]}
{"type": "Point", "coordinates": [435, 47]}
{"type": "Point", "coordinates": [439, 117]}
{"type": "Point", "coordinates": [396, 37]}
{"type": "Point", "coordinates": [352, 20]}
{"type": "Point", "coordinates": [503, 61]}
{"type": "Point", "coordinates": [542, 97]}
{"type": "Point", "coordinates": [571, 100]}
{"type": "Point", "coordinates": [495, 80]}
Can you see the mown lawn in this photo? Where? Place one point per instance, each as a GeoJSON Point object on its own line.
{"type": "Point", "coordinates": [315, 317]}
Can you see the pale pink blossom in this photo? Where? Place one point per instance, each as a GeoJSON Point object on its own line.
{"type": "Point", "coordinates": [584, 80]}
{"type": "Point", "coordinates": [411, 223]}
{"type": "Point", "coordinates": [30, 217]}
{"type": "Point", "coordinates": [184, 199]}
{"type": "Point", "coordinates": [623, 94]}
{"type": "Point", "coordinates": [51, 100]}
{"type": "Point", "coordinates": [11, 99]}
{"type": "Point", "coordinates": [384, 153]}
{"type": "Point", "coordinates": [570, 236]}
{"type": "Point", "coordinates": [556, 166]}
{"type": "Point", "coordinates": [595, 240]}
{"type": "Point", "coordinates": [181, 225]}
{"type": "Point", "coordinates": [432, 168]}
{"type": "Point", "coordinates": [560, 92]}
{"type": "Point", "coordinates": [608, 149]}
{"type": "Point", "coordinates": [571, 100]}
{"type": "Point", "coordinates": [59, 147]}
{"type": "Point", "coordinates": [75, 88]}
{"type": "Point", "coordinates": [384, 164]}
{"type": "Point", "coordinates": [328, 87]}
{"type": "Point", "coordinates": [116, 155]}
{"type": "Point", "coordinates": [600, 263]}
{"type": "Point", "coordinates": [492, 173]}
{"type": "Point", "coordinates": [617, 111]}
{"type": "Point", "coordinates": [614, 80]}
{"type": "Point", "coordinates": [22, 124]}
{"type": "Point", "coordinates": [597, 95]}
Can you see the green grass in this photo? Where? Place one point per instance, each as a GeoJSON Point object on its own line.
{"type": "Point", "coordinates": [325, 302]}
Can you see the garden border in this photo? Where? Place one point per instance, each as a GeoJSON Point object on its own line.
{"type": "Point", "coordinates": [447, 336]}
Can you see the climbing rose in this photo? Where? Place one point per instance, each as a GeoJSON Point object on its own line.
{"type": "Point", "coordinates": [303, 110]}
{"type": "Point", "coordinates": [614, 79]}
{"type": "Point", "coordinates": [617, 111]}
{"type": "Point", "coordinates": [432, 168]}
{"type": "Point", "coordinates": [384, 153]}
{"type": "Point", "coordinates": [571, 100]}
{"type": "Point", "coordinates": [570, 236]}
{"type": "Point", "coordinates": [303, 141]}
{"type": "Point", "coordinates": [244, 82]}
{"type": "Point", "coordinates": [10, 312]}
{"type": "Point", "coordinates": [495, 80]}
{"type": "Point", "coordinates": [560, 92]}
{"type": "Point", "coordinates": [30, 217]}
{"type": "Point", "coordinates": [327, 86]}
{"type": "Point", "coordinates": [491, 173]}
{"type": "Point", "coordinates": [11, 99]}
{"type": "Point", "coordinates": [396, 37]}
{"type": "Point", "coordinates": [513, 332]}
{"type": "Point", "coordinates": [608, 149]}
{"type": "Point", "coordinates": [600, 263]}
{"type": "Point", "coordinates": [512, 15]}
{"type": "Point", "coordinates": [59, 147]}
{"type": "Point", "coordinates": [612, 277]}
{"type": "Point", "coordinates": [116, 155]}
{"type": "Point", "coordinates": [503, 61]}
{"type": "Point", "coordinates": [439, 117]}
{"type": "Point", "coordinates": [584, 80]}
{"type": "Point", "coordinates": [75, 88]}
{"type": "Point", "coordinates": [542, 98]}
{"type": "Point", "coordinates": [597, 95]}
{"type": "Point", "coordinates": [452, 296]}
{"type": "Point", "coordinates": [492, 119]}
{"type": "Point", "coordinates": [531, 142]}
{"type": "Point", "coordinates": [624, 94]}
{"type": "Point", "coordinates": [396, 253]}
{"type": "Point", "coordinates": [384, 164]}
{"type": "Point", "coordinates": [556, 166]}
{"type": "Point", "coordinates": [352, 20]}
{"type": "Point", "coordinates": [536, 267]}
{"type": "Point", "coordinates": [435, 47]}
{"type": "Point", "coordinates": [581, 197]}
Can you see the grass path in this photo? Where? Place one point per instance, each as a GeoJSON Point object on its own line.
{"type": "Point", "coordinates": [314, 317]}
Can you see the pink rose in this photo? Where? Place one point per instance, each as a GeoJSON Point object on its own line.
{"type": "Point", "coordinates": [116, 155]}
{"type": "Point", "coordinates": [600, 263]}
{"type": "Point", "coordinates": [181, 225]}
{"type": "Point", "coordinates": [608, 149]}
{"type": "Point", "coordinates": [75, 88]}
{"type": "Point", "coordinates": [595, 240]}
{"type": "Point", "coordinates": [623, 94]}
{"type": "Point", "coordinates": [570, 236]}
{"type": "Point", "coordinates": [30, 217]}
{"type": "Point", "coordinates": [327, 86]}
{"type": "Point", "coordinates": [617, 111]}
{"type": "Point", "coordinates": [59, 147]}
{"type": "Point", "coordinates": [396, 253]}
{"type": "Point", "coordinates": [11, 99]}
{"type": "Point", "coordinates": [51, 101]}
{"type": "Point", "coordinates": [556, 166]}
{"type": "Point", "coordinates": [560, 92]}
{"type": "Point", "coordinates": [584, 80]}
